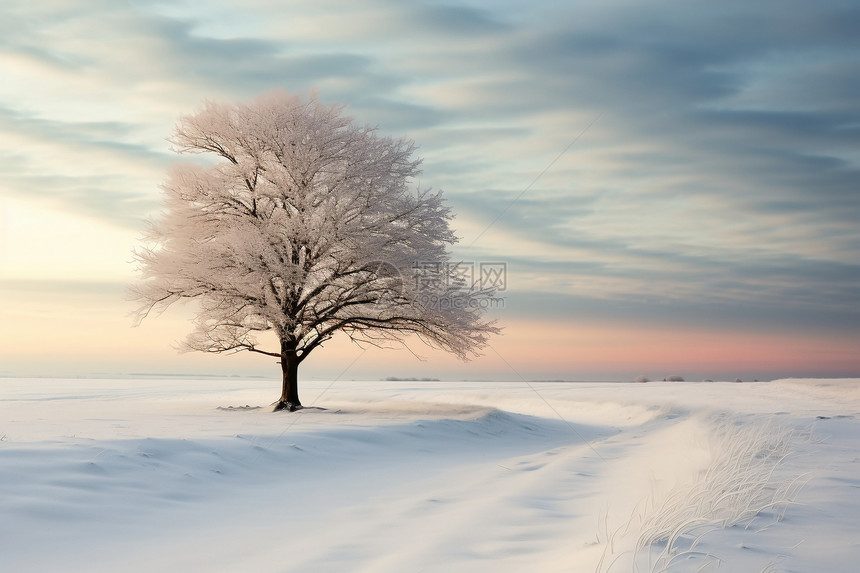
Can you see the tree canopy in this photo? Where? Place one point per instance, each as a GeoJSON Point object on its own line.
{"type": "Point", "coordinates": [304, 224]}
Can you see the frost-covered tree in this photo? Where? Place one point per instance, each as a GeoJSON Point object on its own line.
{"type": "Point", "coordinates": [304, 225]}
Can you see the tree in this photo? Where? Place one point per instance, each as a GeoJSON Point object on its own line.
{"type": "Point", "coordinates": [304, 225]}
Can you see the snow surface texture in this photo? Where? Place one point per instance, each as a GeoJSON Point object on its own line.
{"type": "Point", "coordinates": [179, 475]}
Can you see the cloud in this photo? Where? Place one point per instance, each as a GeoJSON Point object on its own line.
{"type": "Point", "coordinates": [582, 312]}
{"type": "Point", "coordinates": [85, 167]}
{"type": "Point", "coordinates": [722, 171]}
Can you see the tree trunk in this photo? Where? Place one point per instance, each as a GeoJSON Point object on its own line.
{"type": "Point", "coordinates": [290, 369]}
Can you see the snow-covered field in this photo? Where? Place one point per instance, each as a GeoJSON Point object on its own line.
{"type": "Point", "coordinates": [176, 475]}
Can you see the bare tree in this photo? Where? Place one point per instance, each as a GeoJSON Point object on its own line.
{"type": "Point", "coordinates": [304, 225]}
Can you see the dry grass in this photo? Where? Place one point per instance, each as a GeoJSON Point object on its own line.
{"type": "Point", "coordinates": [739, 485]}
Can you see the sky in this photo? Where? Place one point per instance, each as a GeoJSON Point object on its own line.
{"type": "Point", "coordinates": [673, 187]}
